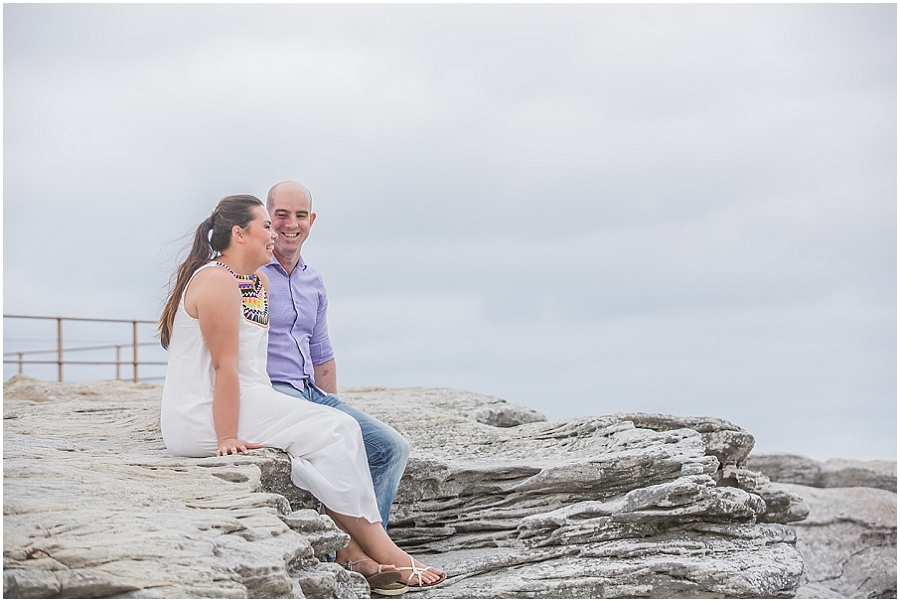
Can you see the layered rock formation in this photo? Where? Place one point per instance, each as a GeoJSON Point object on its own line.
{"type": "Point", "coordinates": [800, 470]}
{"type": "Point", "coordinates": [627, 505]}
{"type": "Point", "coordinates": [609, 506]}
{"type": "Point", "coordinates": [849, 539]}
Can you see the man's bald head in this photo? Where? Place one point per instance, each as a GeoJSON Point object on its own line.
{"type": "Point", "coordinates": [289, 189]}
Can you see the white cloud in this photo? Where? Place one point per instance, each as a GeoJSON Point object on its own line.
{"type": "Point", "coordinates": [685, 208]}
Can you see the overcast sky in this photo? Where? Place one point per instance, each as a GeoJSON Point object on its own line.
{"type": "Point", "coordinates": [585, 209]}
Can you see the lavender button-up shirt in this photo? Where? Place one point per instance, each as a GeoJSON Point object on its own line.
{"type": "Point", "coordinates": [298, 329]}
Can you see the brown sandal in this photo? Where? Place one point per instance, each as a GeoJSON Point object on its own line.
{"type": "Point", "coordinates": [386, 583]}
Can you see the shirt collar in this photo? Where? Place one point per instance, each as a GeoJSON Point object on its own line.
{"type": "Point", "coordinates": [300, 264]}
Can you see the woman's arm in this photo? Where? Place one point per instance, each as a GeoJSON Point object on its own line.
{"type": "Point", "coordinates": [216, 301]}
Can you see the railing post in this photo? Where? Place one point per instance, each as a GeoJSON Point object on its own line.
{"type": "Point", "coordinates": [134, 341]}
{"type": "Point", "coordinates": [59, 348]}
{"type": "Point", "coordinates": [118, 361]}
{"type": "Point", "coordinates": [20, 362]}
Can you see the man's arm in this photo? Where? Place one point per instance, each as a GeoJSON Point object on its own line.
{"type": "Point", "coordinates": [326, 376]}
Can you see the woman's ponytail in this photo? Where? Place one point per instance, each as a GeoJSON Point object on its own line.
{"type": "Point", "coordinates": [212, 236]}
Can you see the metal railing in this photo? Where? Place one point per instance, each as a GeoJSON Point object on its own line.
{"type": "Point", "coordinates": [18, 357]}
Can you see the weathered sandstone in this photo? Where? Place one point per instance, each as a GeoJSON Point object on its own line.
{"type": "Point", "coordinates": [626, 505]}
{"type": "Point", "coordinates": [800, 470]}
{"type": "Point", "coordinates": [607, 506]}
{"type": "Point", "coordinates": [849, 542]}
{"type": "Point", "coordinates": [94, 506]}
{"type": "Point", "coordinates": [849, 539]}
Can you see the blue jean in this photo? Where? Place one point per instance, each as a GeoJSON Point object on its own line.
{"type": "Point", "coordinates": [386, 449]}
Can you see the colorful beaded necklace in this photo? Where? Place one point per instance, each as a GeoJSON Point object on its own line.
{"type": "Point", "coordinates": [254, 301]}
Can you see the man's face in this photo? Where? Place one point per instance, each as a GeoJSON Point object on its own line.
{"type": "Point", "coordinates": [291, 220]}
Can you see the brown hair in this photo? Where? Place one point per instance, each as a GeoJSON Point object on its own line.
{"type": "Point", "coordinates": [212, 237]}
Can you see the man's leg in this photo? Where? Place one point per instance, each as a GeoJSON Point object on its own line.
{"type": "Point", "coordinates": [386, 449]}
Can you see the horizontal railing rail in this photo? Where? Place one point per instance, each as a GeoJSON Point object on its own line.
{"type": "Point", "coordinates": [85, 348]}
{"type": "Point", "coordinates": [18, 357]}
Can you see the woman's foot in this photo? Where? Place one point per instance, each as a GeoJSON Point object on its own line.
{"type": "Point", "coordinates": [354, 558]}
{"type": "Point", "coordinates": [367, 567]}
{"type": "Point", "coordinates": [382, 579]}
{"type": "Point", "coordinates": [419, 575]}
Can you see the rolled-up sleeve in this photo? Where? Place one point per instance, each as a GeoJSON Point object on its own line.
{"type": "Point", "coordinates": [320, 350]}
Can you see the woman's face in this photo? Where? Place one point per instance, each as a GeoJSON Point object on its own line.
{"type": "Point", "coordinates": [259, 236]}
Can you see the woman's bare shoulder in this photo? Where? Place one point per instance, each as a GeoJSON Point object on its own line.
{"type": "Point", "coordinates": [211, 284]}
{"type": "Point", "coordinates": [212, 279]}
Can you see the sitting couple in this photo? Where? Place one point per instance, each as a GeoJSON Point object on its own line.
{"type": "Point", "coordinates": [221, 397]}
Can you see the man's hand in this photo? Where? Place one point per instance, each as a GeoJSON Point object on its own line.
{"type": "Point", "coordinates": [230, 445]}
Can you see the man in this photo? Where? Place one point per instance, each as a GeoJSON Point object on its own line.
{"type": "Point", "coordinates": [301, 360]}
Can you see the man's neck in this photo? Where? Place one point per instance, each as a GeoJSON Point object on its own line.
{"type": "Point", "coordinates": [288, 263]}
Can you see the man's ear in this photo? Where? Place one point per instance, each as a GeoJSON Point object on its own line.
{"type": "Point", "coordinates": [312, 218]}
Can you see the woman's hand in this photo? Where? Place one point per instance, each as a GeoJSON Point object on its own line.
{"type": "Point", "coordinates": [230, 445]}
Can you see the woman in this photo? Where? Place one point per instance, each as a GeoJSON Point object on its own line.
{"type": "Point", "coordinates": [218, 400]}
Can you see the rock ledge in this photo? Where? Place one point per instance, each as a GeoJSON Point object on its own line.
{"type": "Point", "coordinates": [626, 505]}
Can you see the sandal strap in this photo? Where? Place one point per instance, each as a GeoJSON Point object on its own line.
{"type": "Point", "coordinates": [417, 571]}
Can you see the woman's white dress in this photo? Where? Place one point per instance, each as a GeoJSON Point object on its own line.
{"type": "Point", "coordinates": [325, 445]}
